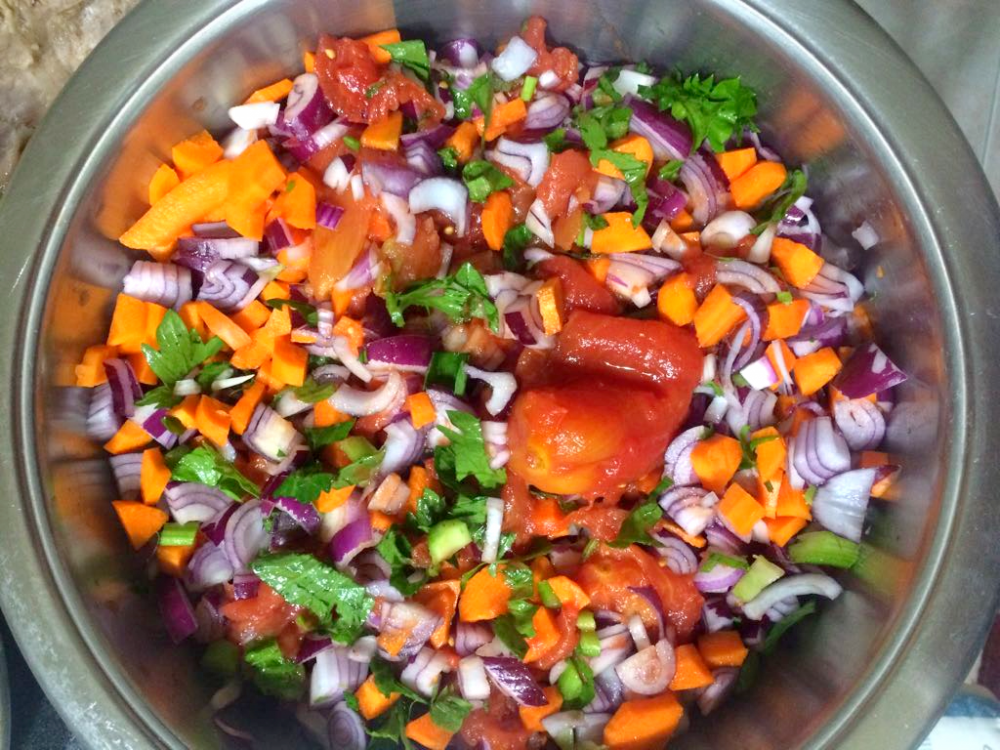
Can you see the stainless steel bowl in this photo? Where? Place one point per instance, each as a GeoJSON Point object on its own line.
{"type": "Point", "coordinates": [872, 672]}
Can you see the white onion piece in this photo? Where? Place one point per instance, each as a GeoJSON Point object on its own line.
{"type": "Point", "coordinates": [519, 165]}
{"type": "Point", "coordinates": [629, 81]}
{"type": "Point", "coordinates": [716, 410]}
{"type": "Point", "coordinates": [797, 585]}
{"type": "Point", "coordinates": [357, 187]}
{"type": "Point", "coordinates": [666, 240]}
{"type": "Point", "coordinates": [649, 671]}
{"type": "Point", "coordinates": [536, 153]}
{"type": "Point", "coordinates": [337, 177]}
{"type": "Point", "coordinates": [540, 224]}
{"type": "Point", "coordinates": [256, 115]}
{"type": "Point", "coordinates": [727, 229]}
{"type": "Point", "coordinates": [363, 649]}
{"type": "Point", "coordinates": [840, 504]}
{"type": "Point", "coordinates": [399, 210]}
{"type": "Point", "coordinates": [430, 676]}
{"type": "Point", "coordinates": [708, 366]}
{"type": "Point", "coordinates": [342, 348]}
{"type": "Point", "coordinates": [760, 252]}
{"type": "Point", "coordinates": [186, 387]}
{"type": "Point", "coordinates": [760, 374]}
{"type": "Point", "coordinates": [472, 679]}
{"type": "Point", "coordinates": [502, 384]}
{"type": "Point", "coordinates": [390, 497]}
{"type": "Point", "coordinates": [494, 522]}
{"type": "Point", "coordinates": [500, 282]}
{"type": "Point", "coordinates": [639, 635]}
{"type": "Point", "coordinates": [328, 679]}
{"type": "Point", "coordinates": [515, 60]}
{"type": "Point", "coordinates": [288, 405]}
{"type": "Point", "coordinates": [364, 403]}
{"type": "Point", "coordinates": [548, 79]}
{"type": "Point", "coordinates": [221, 384]}
{"type": "Point", "coordinates": [238, 141]}
{"type": "Point", "coordinates": [446, 195]}
{"type": "Point", "coordinates": [337, 519]}
{"type": "Point", "coordinates": [409, 674]}
{"type": "Point", "coordinates": [860, 421]}
{"type": "Point", "coordinates": [866, 236]}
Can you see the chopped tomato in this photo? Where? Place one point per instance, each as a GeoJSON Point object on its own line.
{"type": "Point", "coordinates": [569, 636]}
{"type": "Point", "coordinates": [527, 517]}
{"type": "Point", "coordinates": [419, 260]}
{"type": "Point", "coordinates": [610, 575]}
{"type": "Point", "coordinates": [559, 60]}
{"type": "Point", "coordinates": [581, 291]}
{"type": "Point", "coordinates": [568, 172]}
{"type": "Point", "coordinates": [266, 615]}
{"type": "Point", "coordinates": [701, 268]}
{"type": "Point", "coordinates": [498, 726]}
{"type": "Point", "coordinates": [346, 71]}
{"type": "Point", "coordinates": [395, 90]}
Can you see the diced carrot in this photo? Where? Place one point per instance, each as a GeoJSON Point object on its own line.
{"type": "Point", "coordinates": [551, 303]}
{"type": "Point", "coordinates": [619, 236]}
{"type": "Point", "coordinates": [308, 61]}
{"type": "Point", "coordinates": [815, 370]}
{"type": "Point", "coordinates": [157, 230]}
{"type": "Point", "coordinates": [735, 163]}
{"type": "Point", "coordinates": [792, 502]}
{"type": "Point", "coordinates": [464, 141]}
{"type": "Point", "coordinates": [722, 649]}
{"type": "Point", "coordinates": [691, 671]}
{"type": "Point", "coordinates": [531, 716]}
{"type": "Point", "coordinates": [243, 409]}
{"type": "Point", "coordinates": [90, 371]}
{"type": "Point", "coordinates": [352, 330]}
{"type": "Point", "coordinates": [633, 145]}
{"type": "Point", "coordinates": [143, 372]}
{"type": "Point", "coordinates": [195, 154]}
{"type": "Point", "coordinates": [266, 376]}
{"type": "Point", "coordinates": [770, 453]}
{"type": "Point", "coordinates": [153, 476]}
{"type": "Point", "coordinates": [418, 481]}
{"type": "Point", "coordinates": [223, 326]}
{"type": "Point", "coordinates": [784, 320]}
{"type": "Point", "coordinates": [546, 635]}
{"type": "Point", "coordinates": [252, 317]}
{"type": "Point", "coordinates": [384, 134]}
{"type": "Point", "coordinates": [781, 530]}
{"type": "Point", "coordinates": [542, 569]}
{"type": "Point", "coordinates": [598, 268]}
{"type": "Point", "coordinates": [275, 290]}
{"type": "Point", "coordinates": [324, 414]}
{"type": "Point", "coordinates": [173, 560]}
{"type": "Point", "coordinates": [128, 324]}
{"type": "Point", "coordinates": [497, 219]}
{"type": "Point", "coordinates": [380, 521]}
{"type": "Point", "coordinates": [485, 597]}
{"type": "Point", "coordinates": [342, 300]}
{"type": "Point", "coordinates": [424, 731]}
{"type": "Point", "coordinates": [336, 250]}
{"type": "Point", "coordinates": [716, 317]}
{"type": "Point", "coordinates": [676, 301]}
{"type": "Point", "coordinates": [192, 318]}
{"type": "Point", "coordinates": [874, 460]}
{"type": "Point", "coordinates": [751, 188]}
{"type": "Point", "coordinates": [273, 93]}
{"type": "Point", "coordinates": [186, 412]}
{"type": "Point", "coordinates": [441, 598]}
{"type": "Point", "coordinates": [163, 181]}
{"type": "Point", "coordinates": [290, 362]}
{"type": "Point", "coordinates": [569, 593]}
{"type": "Point", "coordinates": [328, 501]}
{"type": "Point", "coordinates": [683, 221]}
{"type": "Point", "coordinates": [296, 204]}
{"type": "Point", "coordinates": [781, 359]}
{"type": "Point", "coordinates": [256, 174]}
{"type": "Point", "coordinates": [130, 437]}
{"type": "Point", "coordinates": [716, 460]}
{"type": "Point", "coordinates": [501, 117]}
{"type": "Point", "coordinates": [741, 509]}
{"type": "Point", "coordinates": [371, 702]}
{"type": "Point", "coordinates": [421, 409]}
{"type": "Point", "coordinates": [375, 42]}
{"type": "Point", "coordinates": [695, 541]}
{"type": "Point", "coordinates": [154, 316]}
{"type": "Point", "coordinates": [768, 492]}
{"type": "Point", "coordinates": [643, 723]}
{"type": "Point", "coordinates": [141, 522]}
{"type": "Point", "coordinates": [797, 263]}
{"type": "Point", "coordinates": [212, 419]}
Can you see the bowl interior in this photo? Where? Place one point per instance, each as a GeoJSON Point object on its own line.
{"type": "Point", "coordinates": [820, 673]}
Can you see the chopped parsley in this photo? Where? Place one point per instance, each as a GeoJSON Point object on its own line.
{"type": "Point", "coordinates": [598, 128]}
{"type": "Point", "coordinates": [206, 466]}
{"type": "Point", "coordinates": [556, 140]}
{"type": "Point", "coordinates": [784, 298]}
{"type": "Point", "coordinates": [449, 157]}
{"type": "Point", "coordinates": [670, 170]}
{"type": "Point", "coordinates": [411, 54]}
{"type": "Point", "coordinates": [635, 528]}
{"type": "Point", "coordinates": [309, 313]}
{"type": "Point", "coordinates": [448, 710]}
{"type": "Point", "coordinates": [461, 296]}
{"type": "Point", "coordinates": [272, 673]}
{"type": "Point", "coordinates": [352, 143]}
{"type": "Point", "coordinates": [465, 456]}
{"type": "Point", "coordinates": [514, 243]}
{"type": "Point", "coordinates": [479, 93]}
{"type": "Point", "coordinates": [179, 349]}
{"type": "Point", "coordinates": [311, 392]}
{"type": "Point", "coordinates": [448, 369]}
{"type": "Point", "coordinates": [482, 179]}
{"type": "Point", "coordinates": [319, 437]}
{"type": "Point", "coordinates": [306, 484]}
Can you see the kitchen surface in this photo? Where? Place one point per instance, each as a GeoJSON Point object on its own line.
{"type": "Point", "coordinates": [954, 42]}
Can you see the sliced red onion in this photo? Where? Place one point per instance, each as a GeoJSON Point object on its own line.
{"type": "Point", "coordinates": [669, 138]}
{"type": "Point", "coordinates": [649, 594]}
{"type": "Point", "coordinates": [472, 680]}
{"type": "Point", "coordinates": [209, 566]}
{"type": "Point", "coordinates": [269, 434]}
{"type": "Point", "coordinates": [576, 729]}
{"type": "Point", "coordinates": [820, 452]}
{"type": "Point", "coordinates": [423, 158]}
{"type": "Point", "coordinates": [727, 229]}
{"type": "Point", "coordinates": [471, 635]}
{"type": "Point", "coordinates": [346, 729]}
{"type": "Point", "coordinates": [363, 403]}
{"type": "Point", "coordinates": [607, 192]}
{"type": "Point", "coordinates": [306, 109]}
{"type": "Point", "coordinates": [164, 284]}
{"type": "Point", "coordinates": [716, 614]}
{"type": "Point", "coordinates": [245, 586]}
{"type": "Point", "coordinates": [256, 115]}
{"type": "Point", "coordinates": [403, 446]}
{"type": "Point", "coordinates": [755, 411]}
{"type": "Point", "coordinates": [806, 584]}
{"type": "Point", "coordinates": [352, 539]}
{"type": "Point", "coordinates": [719, 580]}
{"type": "Point", "coordinates": [831, 332]}
{"type": "Point", "coordinates": [434, 137]}
{"type": "Point", "coordinates": [680, 558]}
{"type": "Point", "coordinates": [677, 459]}
{"type": "Point", "coordinates": [392, 177]}
{"type": "Point", "coordinates": [656, 265]}
{"type": "Point", "coordinates": [211, 623]}
{"type": "Point", "coordinates": [127, 468]}
{"type": "Point", "coordinates": [215, 529]}
{"type": "Point", "coordinates": [861, 422]}
{"type": "Point", "coordinates": [547, 112]}
{"type": "Point", "coordinates": [665, 202]}
{"type": "Point", "coordinates": [609, 693]}
{"type": "Point", "coordinates": [649, 671]}
{"type": "Point", "coordinates": [724, 682]}
{"type": "Point", "coordinates": [502, 384]}
{"type": "Point", "coordinates": [175, 609]}
{"type": "Point", "coordinates": [443, 194]}
{"type": "Point", "coordinates": [230, 286]}
{"type": "Point", "coordinates": [305, 515]}
{"type": "Point", "coordinates": [328, 215]}
{"type": "Point", "coordinates": [245, 535]}
{"type": "Point", "coordinates": [151, 420]}
{"type": "Point", "coordinates": [630, 281]}
{"type": "Point", "coordinates": [193, 502]}
{"type": "Point", "coordinates": [800, 224]}
{"type": "Point", "coordinates": [461, 52]}
{"type": "Point", "coordinates": [515, 60]}
{"type": "Point", "coordinates": [638, 631]}
{"type": "Point", "coordinates": [540, 224]}
{"type": "Point", "coordinates": [754, 279]}
{"type": "Point", "coordinates": [514, 679]}
{"type": "Point", "coordinates": [666, 240]}
{"type": "Point", "coordinates": [834, 289]}
{"type": "Point", "coordinates": [616, 645]}
{"type": "Point", "coordinates": [691, 507]}
{"type": "Point", "coordinates": [537, 155]}
{"type": "Point", "coordinates": [399, 210]}
{"type": "Point", "coordinates": [406, 353]}
{"type": "Point", "coordinates": [390, 496]}
{"type": "Point", "coordinates": [333, 675]}
{"type": "Point", "coordinates": [724, 539]}
{"type": "Point", "coordinates": [102, 422]}
{"type": "Point", "coordinates": [362, 273]}
{"type": "Point", "coordinates": [840, 504]}
{"type": "Point", "coordinates": [412, 620]}
{"type": "Point", "coordinates": [337, 175]}
{"type": "Point", "coordinates": [125, 388]}
{"type": "Point", "coordinates": [706, 184]}
{"type": "Point", "coordinates": [304, 147]}
{"type": "Point", "coordinates": [868, 371]}
{"type": "Point", "coordinates": [760, 251]}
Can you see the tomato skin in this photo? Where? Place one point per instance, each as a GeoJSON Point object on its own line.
{"type": "Point", "coordinates": [346, 70]}
{"type": "Point", "coordinates": [569, 637]}
{"type": "Point", "coordinates": [581, 291]}
{"type": "Point", "coordinates": [559, 60]}
{"type": "Point", "coordinates": [266, 615]}
{"type": "Point", "coordinates": [394, 91]}
{"type": "Point", "coordinates": [568, 172]}
{"type": "Point", "coordinates": [498, 725]}
{"type": "Point", "coordinates": [609, 574]}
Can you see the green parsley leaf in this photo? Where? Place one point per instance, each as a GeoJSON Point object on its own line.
{"type": "Point", "coordinates": [461, 296]}
{"type": "Point", "coordinates": [389, 730]}
{"type": "Point", "coordinates": [311, 392]}
{"type": "Point", "coordinates": [319, 437]}
{"type": "Point", "coordinates": [670, 170]}
{"type": "Point", "coordinates": [635, 528]}
{"type": "Point", "coordinates": [719, 558]}
{"type": "Point", "coordinates": [173, 425]}
{"type": "Point", "coordinates": [273, 674]}
{"type": "Point", "coordinates": [209, 373]}
{"type": "Point", "coordinates": [466, 456]}
{"type": "Point", "coordinates": [206, 466]}
{"type": "Point", "coordinates": [520, 580]}
{"type": "Point", "coordinates": [448, 711]}
{"type": "Point", "coordinates": [448, 369]}
{"type": "Point", "coordinates": [449, 157]}
{"type": "Point", "coordinates": [781, 627]}
{"type": "Point", "coordinates": [793, 188]}
{"type": "Point", "coordinates": [352, 143]}
{"type": "Point", "coordinates": [556, 140]}
{"type": "Point", "coordinates": [430, 509]}
{"type": "Point", "coordinates": [713, 111]}
{"type": "Point", "coordinates": [749, 447]}
{"type": "Point", "coordinates": [307, 311]}
{"type": "Point", "coordinates": [162, 397]}
{"type": "Point", "coordinates": [784, 298]}
{"type": "Point", "coordinates": [306, 484]}
{"type": "Point", "coordinates": [523, 613]}
{"type": "Point", "coordinates": [304, 581]}
{"type": "Point", "coordinates": [605, 93]}
{"type": "Point", "coordinates": [479, 93]}
{"type": "Point", "coordinates": [387, 682]}
{"type": "Point", "coordinates": [352, 702]}
{"type": "Point", "coordinates": [396, 550]}
{"type": "Point", "coordinates": [514, 242]}
{"type": "Point", "coordinates": [634, 172]}
{"type": "Point", "coordinates": [505, 628]}
{"type": "Point", "coordinates": [594, 222]}
{"type": "Point", "coordinates": [411, 54]}
{"type": "Point", "coordinates": [179, 349]}
{"type": "Point", "coordinates": [482, 179]}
